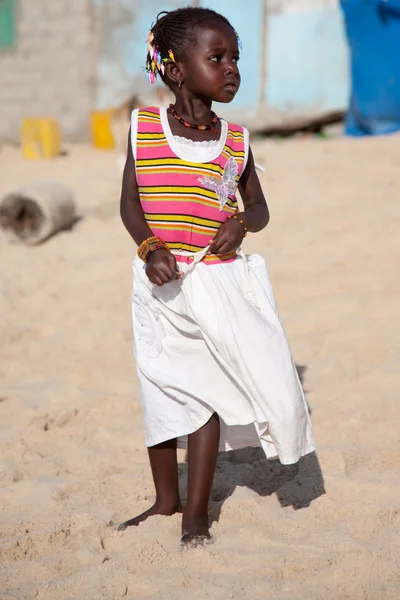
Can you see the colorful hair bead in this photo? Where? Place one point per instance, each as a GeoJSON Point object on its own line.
{"type": "Point", "coordinates": [155, 62]}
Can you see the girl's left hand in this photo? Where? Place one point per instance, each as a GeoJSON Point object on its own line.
{"type": "Point", "coordinates": [228, 239]}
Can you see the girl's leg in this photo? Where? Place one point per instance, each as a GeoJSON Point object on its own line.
{"type": "Point", "coordinates": [202, 457]}
{"type": "Point", "coordinates": [164, 466]}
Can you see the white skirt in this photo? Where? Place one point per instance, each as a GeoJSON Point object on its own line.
{"type": "Point", "coordinates": [212, 342]}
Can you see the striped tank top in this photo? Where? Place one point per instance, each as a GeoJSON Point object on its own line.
{"type": "Point", "coordinates": [186, 202]}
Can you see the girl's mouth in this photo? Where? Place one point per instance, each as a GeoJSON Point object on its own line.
{"type": "Point", "coordinates": [231, 86]}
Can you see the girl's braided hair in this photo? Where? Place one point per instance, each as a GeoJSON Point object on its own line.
{"type": "Point", "coordinates": [173, 32]}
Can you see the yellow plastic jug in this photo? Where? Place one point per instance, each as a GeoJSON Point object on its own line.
{"type": "Point", "coordinates": [102, 136]}
{"type": "Point", "coordinates": [40, 138]}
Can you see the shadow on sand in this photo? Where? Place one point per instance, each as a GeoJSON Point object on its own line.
{"type": "Point", "coordinates": [295, 485]}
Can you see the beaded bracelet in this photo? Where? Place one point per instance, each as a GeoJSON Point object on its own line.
{"type": "Point", "coordinates": [237, 218]}
{"type": "Point", "coordinates": [149, 246]}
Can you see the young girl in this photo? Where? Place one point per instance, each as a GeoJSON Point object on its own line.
{"type": "Point", "coordinates": [214, 364]}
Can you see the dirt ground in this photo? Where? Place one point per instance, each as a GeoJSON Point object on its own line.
{"type": "Point", "coordinates": [72, 452]}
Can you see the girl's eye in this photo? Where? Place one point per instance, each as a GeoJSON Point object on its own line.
{"type": "Point", "coordinates": [236, 59]}
{"type": "Point", "coordinates": [216, 58]}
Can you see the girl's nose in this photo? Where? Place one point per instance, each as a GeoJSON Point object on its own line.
{"type": "Point", "coordinates": [232, 69]}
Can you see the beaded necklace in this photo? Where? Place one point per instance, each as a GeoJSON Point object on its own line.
{"type": "Point", "coordinates": [211, 127]}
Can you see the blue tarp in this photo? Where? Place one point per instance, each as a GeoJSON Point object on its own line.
{"type": "Point", "coordinates": [373, 32]}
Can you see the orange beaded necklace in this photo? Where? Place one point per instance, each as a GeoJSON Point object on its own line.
{"type": "Point", "coordinates": [211, 127]}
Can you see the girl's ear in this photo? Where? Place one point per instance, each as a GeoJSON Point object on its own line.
{"type": "Point", "coordinates": [173, 73]}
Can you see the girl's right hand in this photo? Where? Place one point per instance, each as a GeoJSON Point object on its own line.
{"type": "Point", "coordinates": [162, 268]}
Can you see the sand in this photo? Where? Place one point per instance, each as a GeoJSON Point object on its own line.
{"type": "Point", "coordinates": [72, 451]}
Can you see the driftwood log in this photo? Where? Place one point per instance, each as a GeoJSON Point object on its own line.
{"type": "Point", "coordinates": [34, 213]}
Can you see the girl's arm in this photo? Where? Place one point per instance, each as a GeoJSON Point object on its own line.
{"type": "Point", "coordinates": [256, 213]}
{"type": "Point", "coordinates": [255, 216]}
{"type": "Point", "coordinates": [130, 208]}
{"type": "Point", "coordinates": [161, 266]}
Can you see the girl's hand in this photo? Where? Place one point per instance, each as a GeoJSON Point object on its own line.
{"type": "Point", "coordinates": [162, 268]}
{"type": "Point", "coordinates": [228, 239]}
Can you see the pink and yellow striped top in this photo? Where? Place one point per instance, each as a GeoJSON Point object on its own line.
{"type": "Point", "coordinates": [185, 212]}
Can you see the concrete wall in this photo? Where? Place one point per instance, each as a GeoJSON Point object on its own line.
{"type": "Point", "coordinates": [307, 57]}
{"type": "Point", "coordinates": [49, 71]}
{"type": "Point", "coordinates": [73, 56]}
{"type": "Point", "coordinates": [123, 27]}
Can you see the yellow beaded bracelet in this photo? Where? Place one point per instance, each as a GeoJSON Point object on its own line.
{"type": "Point", "coordinates": [149, 246]}
{"type": "Point", "coordinates": [237, 218]}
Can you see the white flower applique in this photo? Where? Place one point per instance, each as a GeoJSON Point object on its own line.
{"type": "Point", "coordinates": [224, 185]}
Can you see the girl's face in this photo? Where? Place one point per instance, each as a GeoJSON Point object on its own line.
{"type": "Point", "coordinates": [211, 68]}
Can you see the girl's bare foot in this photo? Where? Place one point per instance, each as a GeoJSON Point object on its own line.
{"type": "Point", "coordinates": [164, 467]}
{"type": "Point", "coordinates": [195, 531]}
{"type": "Point", "coordinates": [202, 456]}
{"type": "Point", "coordinates": [156, 509]}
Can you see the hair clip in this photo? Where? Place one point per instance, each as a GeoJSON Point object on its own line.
{"type": "Point", "coordinates": [171, 55]}
{"type": "Point", "coordinates": [239, 41]}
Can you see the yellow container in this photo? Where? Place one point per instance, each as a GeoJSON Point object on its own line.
{"type": "Point", "coordinates": [40, 138]}
{"type": "Point", "coordinates": [102, 136]}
